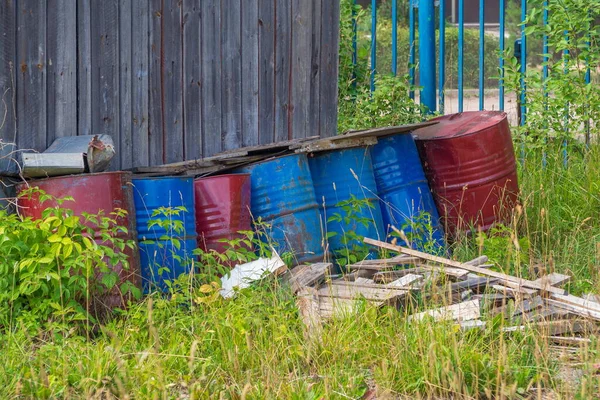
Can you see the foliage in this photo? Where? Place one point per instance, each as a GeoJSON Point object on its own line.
{"type": "Point", "coordinates": [561, 106]}
{"type": "Point", "coordinates": [420, 232]}
{"type": "Point", "coordinates": [52, 269]}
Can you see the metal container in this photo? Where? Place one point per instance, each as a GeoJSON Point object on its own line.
{"type": "Point", "coordinates": [470, 164]}
{"type": "Point", "coordinates": [222, 209]}
{"type": "Point", "coordinates": [170, 202]}
{"type": "Point", "coordinates": [339, 177]}
{"type": "Point", "coordinates": [284, 198]}
{"type": "Point", "coordinates": [93, 193]}
{"type": "Point", "coordinates": [404, 194]}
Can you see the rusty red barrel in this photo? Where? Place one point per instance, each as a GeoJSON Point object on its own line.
{"type": "Point", "coordinates": [93, 193]}
{"type": "Point", "coordinates": [470, 163]}
{"type": "Point", "coordinates": [222, 209]}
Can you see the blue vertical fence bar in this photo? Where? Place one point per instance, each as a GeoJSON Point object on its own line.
{"type": "Point", "coordinates": [411, 40]}
{"type": "Point", "coordinates": [481, 53]}
{"type": "Point", "coordinates": [394, 37]}
{"type": "Point", "coordinates": [545, 71]}
{"type": "Point", "coordinates": [427, 54]}
{"type": "Point", "coordinates": [523, 62]}
{"type": "Point", "coordinates": [461, 50]}
{"type": "Point", "coordinates": [501, 61]}
{"type": "Point", "coordinates": [373, 43]}
{"type": "Point", "coordinates": [354, 46]}
{"type": "Point", "coordinates": [442, 55]}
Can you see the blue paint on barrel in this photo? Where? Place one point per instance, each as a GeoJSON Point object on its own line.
{"type": "Point", "coordinates": [338, 176]}
{"type": "Point", "coordinates": [161, 259]}
{"type": "Point", "coordinates": [283, 197]}
{"type": "Point", "coordinates": [403, 190]}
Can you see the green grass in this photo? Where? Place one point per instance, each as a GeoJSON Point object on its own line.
{"type": "Point", "coordinates": [254, 346]}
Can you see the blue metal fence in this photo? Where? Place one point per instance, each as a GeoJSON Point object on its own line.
{"type": "Point", "coordinates": [426, 10]}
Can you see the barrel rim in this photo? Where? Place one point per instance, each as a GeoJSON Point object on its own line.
{"type": "Point", "coordinates": [234, 175]}
{"type": "Point", "coordinates": [62, 177]}
{"type": "Point", "coordinates": [158, 178]}
{"type": "Point", "coordinates": [440, 119]}
{"type": "Point", "coordinates": [267, 160]}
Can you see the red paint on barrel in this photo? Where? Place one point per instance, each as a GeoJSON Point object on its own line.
{"type": "Point", "coordinates": [222, 209]}
{"type": "Point", "coordinates": [93, 193]}
{"type": "Point", "coordinates": [470, 163]}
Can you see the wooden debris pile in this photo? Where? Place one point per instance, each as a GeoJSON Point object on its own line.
{"type": "Point", "coordinates": [469, 293]}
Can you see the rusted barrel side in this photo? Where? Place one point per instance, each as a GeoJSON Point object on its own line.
{"type": "Point", "coordinates": [470, 164]}
{"type": "Point", "coordinates": [283, 197]}
{"type": "Point", "coordinates": [93, 193]}
{"type": "Point", "coordinates": [222, 209]}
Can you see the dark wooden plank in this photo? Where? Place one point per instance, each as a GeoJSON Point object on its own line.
{"type": "Point", "coordinates": [250, 71]}
{"type": "Point", "coordinates": [105, 72]}
{"type": "Point", "coordinates": [192, 69]}
{"type": "Point", "coordinates": [383, 131]}
{"type": "Point", "coordinates": [62, 69]}
{"type": "Point", "coordinates": [315, 71]}
{"type": "Point", "coordinates": [125, 83]}
{"type": "Point", "coordinates": [8, 70]}
{"type": "Point", "coordinates": [330, 22]}
{"type": "Point", "coordinates": [172, 80]}
{"type": "Point", "coordinates": [156, 100]}
{"type": "Point", "coordinates": [211, 77]}
{"type": "Point", "coordinates": [231, 78]}
{"type": "Point", "coordinates": [283, 69]}
{"type": "Point", "coordinates": [139, 85]}
{"type": "Point", "coordinates": [307, 275]}
{"type": "Point", "coordinates": [31, 83]}
{"type": "Point", "coordinates": [302, 13]}
{"type": "Point", "coordinates": [266, 71]}
{"type": "Point", "coordinates": [84, 68]}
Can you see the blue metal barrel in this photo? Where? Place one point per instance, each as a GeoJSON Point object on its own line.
{"type": "Point", "coordinates": [283, 197]}
{"type": "Point", "coordinates": [338, 177]}
{"type": "Point", "coordinates": [161, 259]}
{"type": "Point", "coordinates": [404, 192]}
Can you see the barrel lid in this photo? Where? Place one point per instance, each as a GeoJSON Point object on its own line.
{"type": "Point", "coordinates": [461, 124]}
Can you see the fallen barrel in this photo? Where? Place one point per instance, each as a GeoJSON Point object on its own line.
{"type": "Point", "coordinates": [470, 164]}
{"type": "Point", "coordinates": [164, 208]}
{"type": "Point", "coordinates": [222, 205]}
{"type": "Point", "coordinates": [283, 197]}
{"type": "Point", "coordinates": [347, 196]}
{"type": "Point", "coordinates": [93, 193]}
{"type": "Point", "coordinates": [405, 199]}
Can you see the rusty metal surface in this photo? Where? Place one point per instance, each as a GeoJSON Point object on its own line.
{"type": "Point", "coordinates": [161, 258]}
{"type": "Point", "coordinates": [470, 164]}
{"type": "Point", "coordinates": [339, 176]}
{"type": "Point", "coordinates": [222, 209]}
{"type": "Point", "coordinates": [93, 193]}
{"type": "Point", "coordinates": [402, 186]}
{"type": "Point", "coordinates": [283, 197]}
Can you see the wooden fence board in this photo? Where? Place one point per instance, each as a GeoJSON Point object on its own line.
{"type": "Point", "coordinates": [301, 67]}
{"type": "Point", "coordinates": [192, 70]}
{"type": "Point", "coordinates": [250, 62]}
{"type": "Point", "coordinates": [139, 84]}
{"type": "Point", "coordinates": [8, 70]}
{"type": "Point", "coordinates": [231, 78]}
{"type": "Point", "coordinates": [125, 84]}
{"type": "Point", "coordinates": [266, 72]}
{"type": "Point", "coordinates": [330, 22]}
{"type": "Point", "coordinates": [314, 127]}
{"type": "Point", "coordinates": [283, 70]}
{"type": "Point", "coordinates": [31, 82]}
{"type": "Point", "coordinates": [211, 77]}
{"type": "Point", "coordinates": [84, 68]}
{"type": "Point", "coordinates": [155, 132]}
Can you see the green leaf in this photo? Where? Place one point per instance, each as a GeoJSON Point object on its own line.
{"type": "Point", "coordinates": [45, 260]}
{"type": "Point", "coordinates": [54, 238]}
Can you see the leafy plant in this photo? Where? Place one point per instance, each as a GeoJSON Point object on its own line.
{"type": "Point", "coordinates": [53, 269]}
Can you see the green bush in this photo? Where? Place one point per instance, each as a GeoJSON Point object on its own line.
{"type": "Point", "coordinates": [51, 269]}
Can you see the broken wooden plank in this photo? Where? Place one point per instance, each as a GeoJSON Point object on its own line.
{"type": "Point", "coordinates": [569, 340]}
{"type": "Point", "coordinates": [554, 279]}
{"type": "Point", "coordinates": [350, 291]}
{"type": "Point", "coordinates": [384, 264]}
{"type": "Point", "coordinates": [406, 281]}
{"type": "Point", "coordinates": [261, 149]}
{"type": "Point", "coordinates": [569, 303]}
{"type": "Point", "coordinates": [365, 285]}
{"type": "Point", "coordinates": [385, 131]}
{"type": "Point", "coordinates": [555, 328]}
{"type": "Point", "coordinates": [464, 311]}
{"type": "Point", "coordinates": [329, 144]}
{"type": "Point", "coordinates": [330, 307]}
{"type": "Point", "coordinates": [479, 261]}
{"type": "Point", "coordinates": [390, 276]}
{"type": "Point", "coordinates": [307, 275]}
{"type": "Point", "coordinates": [456, 273]}
{"type": "Point", "coordinates": [526, 306]}
{"type": "Point", "coordinates": [472, 324]}
{"type": "Point", "coordinates": [520, 291]}
{"type": "Point", "coordinates": [307, 301]}
{"type": "Point", "coordinates": [363, 281]}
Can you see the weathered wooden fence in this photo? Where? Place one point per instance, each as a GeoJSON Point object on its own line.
{"type": "Point", "coordinates": [170, 80]}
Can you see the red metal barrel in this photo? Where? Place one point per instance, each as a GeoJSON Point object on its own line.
{"type": "Point", "coordinates": [93, 193]}
{"type": "Point", "coordinates": [222, 209]}
{"type": "Point", "coordinates": [470, 163]}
